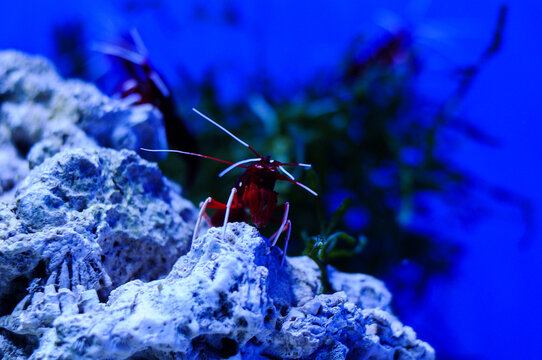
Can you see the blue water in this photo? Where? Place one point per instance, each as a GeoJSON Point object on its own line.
{"type": "Point", "coordinates": [490, 310]}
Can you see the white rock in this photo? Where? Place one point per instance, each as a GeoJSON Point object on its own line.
{"type": "Point", "coordinates": [229, 298]}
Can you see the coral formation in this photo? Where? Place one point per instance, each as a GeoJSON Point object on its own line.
{"type": "Point", "coordinates": [96, 260]}
{"type": "Point", "coordinates": [226, 297]}
{"type": "Point", "coordinates": [40, 108]}
{"type": "Point", "coordinates": [93, 218]}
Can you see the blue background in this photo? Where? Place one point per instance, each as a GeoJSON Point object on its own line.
{"type": "Point", "coordinates": [491, 308]}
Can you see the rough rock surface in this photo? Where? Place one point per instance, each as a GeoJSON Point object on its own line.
{"type": "Point", "coordinates": [42, 113]}
{"type": "Point", "coordinates": [228, 298]}
{"type": "Point", "coordinates": [363, 290]}
{"type": "Point", "coordinates": [88, 218]}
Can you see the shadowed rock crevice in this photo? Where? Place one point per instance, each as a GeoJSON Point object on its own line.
{"type": "Point", "coordinates": [219, 348]}
{"type": "Point", "coordinates": [13, 344]}
{"type": "Point", "coordinates": [143, 355]}
{"type": "Point", "coordinates": [18, 288]}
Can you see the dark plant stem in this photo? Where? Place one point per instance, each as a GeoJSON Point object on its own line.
{"type": "Point", "coordinates": [326, 285]}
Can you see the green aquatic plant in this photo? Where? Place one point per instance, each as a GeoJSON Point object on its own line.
{"type": "Point", "coordinates": [329, 245]}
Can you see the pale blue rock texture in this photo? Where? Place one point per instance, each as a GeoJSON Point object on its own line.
{"type": "Point", "coordinates": [41, 113]}
{"type": "Point", "coordinates": [88, 219]}
{"type": "Point", "coordinates": [96, 260]}
{"type": "Point", "coordinates": [229, 298]}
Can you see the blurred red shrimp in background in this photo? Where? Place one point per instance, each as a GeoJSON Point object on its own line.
{"type": "Point", "coordinates": [145, 86]}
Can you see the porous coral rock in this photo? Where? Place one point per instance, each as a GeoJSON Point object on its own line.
{"type": "Point", "coordinates": [229, 298]}
{"type": "Point", "coordinates": [36, 105]}
{"type": "Point", "coordinates": [363, 290]}
{"type": "Point", "coordinates": [86, 219]}
{"type": "Point", "coordinates": [63, 135]}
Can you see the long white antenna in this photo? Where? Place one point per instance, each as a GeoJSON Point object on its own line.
{"type": "Point", "coordinates": [286, 172]}
{"type": "Point", "coordinates": [223, 172]}
{"type": "Point", "coordinates": [306, 188]}
{"type": "Point", "coordinates": [306, 166]}
{"type": "Point", "coordinates": [221, 127]}
{"type": "Point", "coordinates": [290, 176]}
